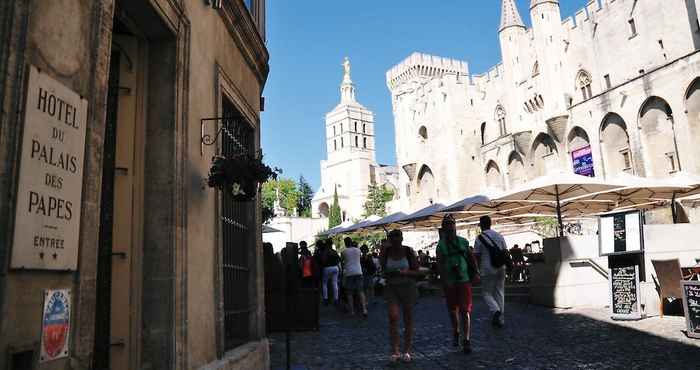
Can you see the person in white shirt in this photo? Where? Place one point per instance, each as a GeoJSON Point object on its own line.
{"type": "Point", "coordinates": [352, 274]}
{"type": "Point", "coordinates": [492, 278]}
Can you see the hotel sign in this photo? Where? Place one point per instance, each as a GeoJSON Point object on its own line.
{"type": "Point", "coordinates": [583, 161]}
{"type": "Point", "coordinates": [49, 193]}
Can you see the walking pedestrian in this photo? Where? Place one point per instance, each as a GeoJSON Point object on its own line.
{"type": "Point", "coordinates": [400, 267]}
{"type": "Point", "coordinates": [369, 270]}
{"type": "Point", "coordinates": [352, 275]}
{"type": "Point", "coordinates": [329, 262]}
{"type": "Point", "coordinates": [458, 271]}
{"type": "Point", "coordinates": [306, 265]}
{"type": "Point", "coordinates": [488, 246]}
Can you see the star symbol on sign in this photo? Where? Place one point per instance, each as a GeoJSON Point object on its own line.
{"type": "Point", "coordinates": [41, 255]}
{"type": "Point", "coordinates": [55, 255]}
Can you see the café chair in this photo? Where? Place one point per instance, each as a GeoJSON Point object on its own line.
{"type": "Point", "coordinates": [668, 273]}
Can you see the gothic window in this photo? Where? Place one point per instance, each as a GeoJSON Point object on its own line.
{"type": "Point", "coordinates": [423, 132]}
{"type": "Point", "coordinates": [583, 83]}
{"type": "Point", "coordinates": [501, 119]}
{"type": "Point", "coordinates": [633, 27]}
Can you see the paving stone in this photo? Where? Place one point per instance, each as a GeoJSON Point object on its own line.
{"type": "Point", "coordinates": [535, 338]}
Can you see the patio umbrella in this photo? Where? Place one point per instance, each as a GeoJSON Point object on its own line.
{"type": "Point", "coordinates": [421, 214]}
{"type": "Point", "coordinates": [267, 229]}
{"type": "Point", "coordinates": [338, 229]}
{"type": "Point", "coordinates": [384, 221]}
{"type": "Point", "coordinates": [558, 188]}
{"type": "Point", "coordinates": [360, 225]}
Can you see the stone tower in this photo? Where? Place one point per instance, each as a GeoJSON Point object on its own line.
{"type": "Point", "coordinates": [351, 161]}
{"type": "Point", "coordinates": [549, 43]}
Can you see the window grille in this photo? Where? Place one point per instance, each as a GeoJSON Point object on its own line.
{"type": "Point", "coordinates": [238, 235]}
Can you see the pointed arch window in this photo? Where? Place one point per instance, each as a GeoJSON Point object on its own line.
{"type": "Point", "coordinates": [501, 119]}
{"type": "Point", "coordinates": [583, 83]}
{"type": "Point", "coordinates": [536, 69]}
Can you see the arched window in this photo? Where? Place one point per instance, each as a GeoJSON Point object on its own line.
{"type": "Point", "coordinates": [342, 143]}
{"type": "Point", "coordinates": [583, 83]}
{"type": "Point", "coordinates": [335, 145]}
{"type": "Point", "coordinates": [364, 128]}
{"type": "Point", "coordinates": [658, 138]}
{"type": "Point", "coordinates": [364, 143]}
{"type": "Point", "coordinates": [615, 145]}
{"type": "Point", "coordinates": [355, 126]}
{"type": "Point", "coordinates": [334, 131]}
{"type": "Point", "coordinates": [341, 127]}
{"type": "Point", "coordinates": [501, 119]}
{"type": "Point", "coordinates": [483, 133]}
{"type": "Point", "coordinates": [357, 142]}
{"type": "Point", "coordinates": [536, 69]}
{"type": "Point", "coordinates": [423, 133]}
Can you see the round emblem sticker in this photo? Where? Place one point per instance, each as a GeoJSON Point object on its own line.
{"type": "Point", "coordinates": [56, 326]}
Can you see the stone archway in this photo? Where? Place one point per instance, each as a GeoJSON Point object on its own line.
{"type": "Point", "coordinates": [544, 155]}
{"type": "Point", "coordinates": [494, 179]}
{"type": "Point", "coordinates": [658, 138]}
{"type": "Point", "coordinates": [516, 169]}
{"type": "Point", "coordinates": [692, 104]}
{"type": "Point", "coordinates": [324, 210]}
{"type": "Point", "coordinates": [615, 145]}
{"type": "Point", "coordinates": [578, 138]}
{"type": "Point", "coordinates": [426, 185]}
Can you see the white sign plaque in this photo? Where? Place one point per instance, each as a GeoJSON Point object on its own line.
{"type": "Point", "coordinates": [47, 213]}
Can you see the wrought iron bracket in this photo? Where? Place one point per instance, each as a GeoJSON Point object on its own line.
{"type": "Point", "coordinates": [206, 138]}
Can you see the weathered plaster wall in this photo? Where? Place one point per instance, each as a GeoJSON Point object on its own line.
{"type": "Point", "coordinates": [75, 51]}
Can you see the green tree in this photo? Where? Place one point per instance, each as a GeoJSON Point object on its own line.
{"type": "Point", "coordinates": [305, 196]}
{"type": "Point", "coordinates": [335, 217]}
{"type": "Point", "coordinates": [377, 198]}
{"type": "Point", "coordinates": [288, 194]}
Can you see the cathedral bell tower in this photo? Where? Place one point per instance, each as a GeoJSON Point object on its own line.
{"type": "Point", "coordinates": [351, 161]}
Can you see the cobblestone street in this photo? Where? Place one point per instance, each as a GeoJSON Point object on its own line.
{"type": "Point", "coordinates": [534, 338]}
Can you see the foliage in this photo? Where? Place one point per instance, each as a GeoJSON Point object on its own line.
{"type": "Point", "coordinates": [547, 226]}
{"type": "Point", "coordinates": [288, 194]}
{"type": "Point", "coordinates": [240, 175]}
{"type": "Point", "coordinates": [377, 198]}
{"type": "Point", "coordinates": [305, 196]}
{"type": "Point", "coordinates": [335, 217]}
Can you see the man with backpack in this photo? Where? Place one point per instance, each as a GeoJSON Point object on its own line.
{"type": "Point", "coordinates": [492, 253]}
{"type": "Point", "coordinates": [457, 271]}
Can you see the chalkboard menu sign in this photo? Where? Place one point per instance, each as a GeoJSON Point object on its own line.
{"type": "Point", "coordinates": [691, 303]}
{"type": "Point", "coordinates": [624, 293]}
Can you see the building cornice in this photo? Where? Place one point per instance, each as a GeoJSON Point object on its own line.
{"type": "Point", "coordinates": [241, 25]}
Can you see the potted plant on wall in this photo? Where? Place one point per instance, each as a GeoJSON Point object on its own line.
{"type": "Point", "coordinates": [240, 175]}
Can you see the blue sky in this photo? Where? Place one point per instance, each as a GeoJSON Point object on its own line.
{"type": "Point", "coordinates": [308, 40]}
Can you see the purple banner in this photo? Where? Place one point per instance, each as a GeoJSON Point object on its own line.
{"type": "Point", "coordinates": [583, 161]}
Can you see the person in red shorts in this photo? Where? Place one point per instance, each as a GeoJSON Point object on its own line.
{"type": "Point", "coordinates": [457, 271]}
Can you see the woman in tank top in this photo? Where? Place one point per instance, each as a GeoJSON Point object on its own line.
{"type": "Point", "coordinates": [400, 267]}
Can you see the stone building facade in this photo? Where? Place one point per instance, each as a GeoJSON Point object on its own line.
{"type": "Point", "coordinates": [617, 84]}
{"type": "Point", "coordinates": [167, 273]}
{"type": "Point", "coordinates": [351, 165]}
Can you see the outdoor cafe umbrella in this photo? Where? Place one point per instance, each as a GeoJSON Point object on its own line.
{"type": "Point", "coordinates": [338, 229]}
{"type": "Point", "coordinates": [267, 229]}
{"type": "Point", "coordinates": [558, 188]}
{"type": "Point", "coordinates": [385, 221]}
{"type": "Point", "coordinates": [360, 225]}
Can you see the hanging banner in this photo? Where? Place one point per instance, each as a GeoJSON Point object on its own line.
{"type": "Point", "coordinates": [583, 161]}
{"type": "Point", "coordinates": [47, 212]}
{"type": "Point", "coordinates": [55, 325]}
